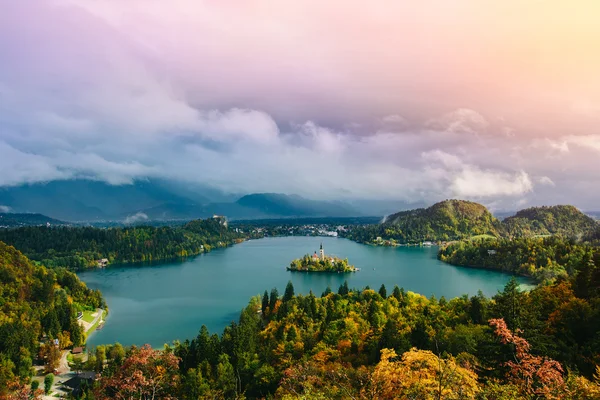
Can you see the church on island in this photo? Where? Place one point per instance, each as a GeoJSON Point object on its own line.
{"type": "Point", "coordinates": [321, 255]}
{"type": "Point", "coordinates": [319, 262]}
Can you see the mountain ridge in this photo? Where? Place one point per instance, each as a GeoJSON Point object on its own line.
{"type": "Point", "coordinates": [92, 201]}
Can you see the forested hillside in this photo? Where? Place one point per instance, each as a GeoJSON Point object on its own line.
{"type": "Point", "coordinates": [458, 219]}
{"type": "Point", "coordinates": [562, 220]}
{"type": "Point", "coordinates": [35, 302]}
{"type": "Point", "coordinates": [447, 220]}
{"type": "Point", "coordinates": [540, 258]}
{"type": "Point", "coordinates": [80, 247]}
{"type": "Point", "coordinates": [367, 344]}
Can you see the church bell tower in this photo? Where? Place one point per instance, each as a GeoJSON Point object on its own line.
{"type": "Point", "coordinates": [321, 252]}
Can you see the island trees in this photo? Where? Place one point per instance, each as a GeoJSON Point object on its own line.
{"type": "Point", "coordinates": [326, 264]}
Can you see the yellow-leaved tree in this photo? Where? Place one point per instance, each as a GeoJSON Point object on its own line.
{"type": "Point", "coordinates": [420, 374]}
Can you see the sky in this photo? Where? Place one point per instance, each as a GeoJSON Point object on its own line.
{"type": "Point", "coordinates": [497, 102]}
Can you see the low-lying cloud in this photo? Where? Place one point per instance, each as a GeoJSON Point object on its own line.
{"type": "Point", "coordinates": [136, 218]}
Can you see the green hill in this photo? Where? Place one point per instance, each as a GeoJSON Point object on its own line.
{"type": "Point", "coordinates": [85, 200]}
{"type": "Point", "coordinates": [549, 220]}
{"type": "Point", "coordinates": [36, 302]}
{"type": "Point", "coordinates": [446, 220]}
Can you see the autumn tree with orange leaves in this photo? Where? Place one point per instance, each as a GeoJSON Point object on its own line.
{"type": "Point", "coordinates": [146, 374]}
{"type": "Point", "coordinates": [533, 375]}
{"type": "Point", "coordinates": [20, 390]}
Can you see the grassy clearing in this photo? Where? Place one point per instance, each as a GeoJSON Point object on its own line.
{"type": "Point", "coordinates": [483, 237]}
{"type": "Point", "coordinates": [87, 316]}
{"type": "Point", "coordinates": [93, 327]}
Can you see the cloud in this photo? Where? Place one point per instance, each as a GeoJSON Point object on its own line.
{"type": "Point", "coordinates": [394, 122]}
{"type": "Point", "coordinates": [544, 180]}
{"type": "Point", "coordinates": [462, 120]}
{"type": "Point", "coordinates": [469, 181]}
{"type": "Point", "coordinates": [20, 167]}
{"type": "Point", "coordinates": [587, 141]}
{"type": "Point", "coordinates": [394, 118]}
{"type": "Point", "coordinates": [473, 182]}
{"type": "Point", "coordinates": [5, 209]}
{"type": "Point", "coordinates": [296, 99]}
{"type": "Point", "coordinates": [133, 219]}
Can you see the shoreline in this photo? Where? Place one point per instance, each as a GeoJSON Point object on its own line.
{"type": "Point", "coordinates": [156, 261]}
{"type": "Point", "coordinates": [516, 274]}
{"type": "Point", "coordinates": [101, 319]}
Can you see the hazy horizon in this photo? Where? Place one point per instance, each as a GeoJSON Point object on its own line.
{"type": "Point", "coordinates": [495, 102]}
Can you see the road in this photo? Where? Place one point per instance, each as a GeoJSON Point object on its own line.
{"type": "Point", "coordinates": [63, 366]}
{"type": "Point", "coordinates": [64, 371]}
{"type": "Point", "coordinates": [64, 374]}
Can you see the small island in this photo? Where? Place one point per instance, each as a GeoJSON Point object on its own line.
{"type": "Point", "coordinates": [321, 263]}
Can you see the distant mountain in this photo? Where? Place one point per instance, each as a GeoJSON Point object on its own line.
{"type": "Point", "coordinates": [174, 211]}
{"type": "Point", "coordinates": [84, 200]}
{"type": "Point", "coordinates": [446, 220]}
{"type": "Point", "coordinates": [275, 204]}
{"type": "Point", "coordinates": [549, 220]}
{"type": "Point", "coordinates": [10, 220]}
{"type": "Point", "coordinates": [382, 207]}
{"type": "Point", "coordinates": [253, 206]}
{"type": "Point", "coordinates": [501, 215]}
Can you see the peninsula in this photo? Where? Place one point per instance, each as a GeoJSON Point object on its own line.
{"type": "Point", "coordinates": [321, 263]}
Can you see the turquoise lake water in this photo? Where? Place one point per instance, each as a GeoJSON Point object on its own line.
{"type": "Point", "coordinates": [160, 303]}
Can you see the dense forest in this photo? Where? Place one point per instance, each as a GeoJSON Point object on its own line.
{"type": "Point", "coordinates": [37, 303]}
{"type": "Point", "coordinates": [80, 247]}
{"type": "Point", "coordinates": [367, 344]}
{"type": "Point", "coordinates": [349, 343]}
{"type": "Point", "coordinates": [544, 259]}
{"type": "Point", "coordinates": [458, 219]}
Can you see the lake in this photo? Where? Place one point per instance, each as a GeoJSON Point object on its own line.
{"type": "Point", "coordinates": [160, 303]}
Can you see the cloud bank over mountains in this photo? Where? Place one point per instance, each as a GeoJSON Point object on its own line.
{"type": "Point", "coordinates": [327, 101]}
